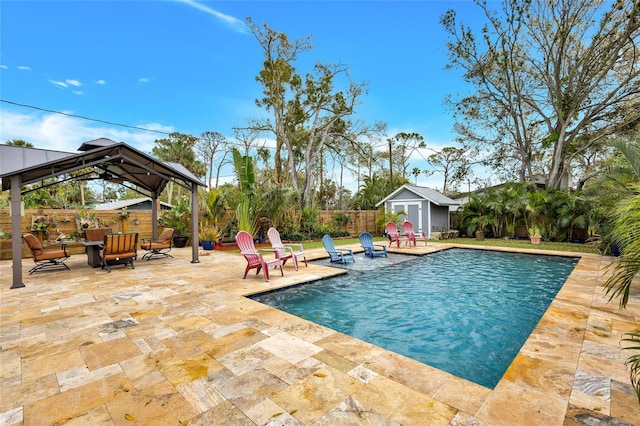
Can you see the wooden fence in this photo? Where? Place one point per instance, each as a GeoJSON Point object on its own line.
{"type": "Point", "coordinates": [64, 221]}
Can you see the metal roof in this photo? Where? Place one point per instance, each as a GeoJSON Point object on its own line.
{"type": "Point", "coordinates": [114, 161]}
{"type": "Point", "coordinates": [120, 204]}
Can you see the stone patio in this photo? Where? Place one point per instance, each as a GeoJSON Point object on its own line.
{"type": "Point", "coordinates": [177, 343]}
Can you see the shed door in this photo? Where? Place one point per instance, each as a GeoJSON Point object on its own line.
{"type": "Point", "coordinates": [414, 215]}
{"type": "Point", "coordinates": [412, 209]}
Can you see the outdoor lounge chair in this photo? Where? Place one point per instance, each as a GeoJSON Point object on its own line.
{"type": "Point", "coordinates": [337, 255]}
{"type": "Point", "coordinates": [254, 258]}
{"type": "Point", "coordinates": [366, 241]}
{"type": "Point", "coordinates": [407, 228]}
{"type": "Point", "coordinates": [45, 258]}
{"type": "Point", "coordinates": [159, 247]}
{"type": "Point", "coordinates": [119, 249]}
{"type": "Point", "coordinates": [394, 236]}
{"type": "Point", "coordinates": [286, 251]}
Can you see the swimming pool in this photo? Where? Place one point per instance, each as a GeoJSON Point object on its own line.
{"type": "Point", "coordinates": [466, 312]}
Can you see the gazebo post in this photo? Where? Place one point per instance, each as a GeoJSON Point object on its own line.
{"type": "Point", "coordinates": [154, 215]}
{"type": "Point", "coordinates": [194, 223]}
{"type": "Point", "coordinates": [16, 233]}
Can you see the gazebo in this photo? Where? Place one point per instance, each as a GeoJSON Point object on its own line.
{"type": "Point", "coordinates": [109, 160]}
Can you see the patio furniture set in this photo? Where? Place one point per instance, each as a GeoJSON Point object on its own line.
{"type": "Point", "coordinates": [103, 248]}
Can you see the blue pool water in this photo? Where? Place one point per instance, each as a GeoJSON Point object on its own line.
{"type": "Point", "coordinates": [467, 312]}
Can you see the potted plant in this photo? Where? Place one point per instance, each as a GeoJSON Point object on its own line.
{"type": "Point", "coordinates": [40, 227]}
{"type": "Point", "coordinates": [385, 216]}
{"type": "Point", "coordinates": [209, 234]}
{"type": "Point", "coordinates": [534, 234]}
{"type": "Point", "coordinates": [178, 218]}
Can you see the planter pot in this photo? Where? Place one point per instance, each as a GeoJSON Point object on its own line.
{"type": "Point", "coordinates": [180, 241]}
{"type": "Point", "coordinates": [480, 235]}
{"type": "Point", "coordinates": [614, 250]}
{"type": "Point", "coordinates": [207, 245]}
{"type": "Point", "coordinates": [535, 240]}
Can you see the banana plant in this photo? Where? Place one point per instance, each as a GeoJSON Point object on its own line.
{"type": "Point", "coordinates": [246, 212]}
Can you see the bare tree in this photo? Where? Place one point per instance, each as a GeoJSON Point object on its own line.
{"type": "Point", "coordinates": [452, 164]}
{"type": "Point", "coordinates": [308, 112]}
{"type": "Point", "coordinates": [207, 146]}
{"type": "Point", "coordinates": [550, 80]}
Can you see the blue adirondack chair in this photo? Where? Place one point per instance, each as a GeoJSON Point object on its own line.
{"type": "Point", "coordinates": [366, 241]}
{"type": "Point", "coordinates": [337, 255]}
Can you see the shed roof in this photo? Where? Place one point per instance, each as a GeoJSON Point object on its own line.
{"type": "Point", "coordinates": [423, 192]}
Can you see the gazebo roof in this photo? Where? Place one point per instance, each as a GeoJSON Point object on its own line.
{"type": "Point", "coordinates": [115, 161]}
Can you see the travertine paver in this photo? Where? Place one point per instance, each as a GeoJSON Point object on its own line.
{"type": "Point", "coordinates": [173, 342]}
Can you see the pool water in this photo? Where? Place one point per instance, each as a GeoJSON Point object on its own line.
{"type": "Point", "coordinates": [467, 312]}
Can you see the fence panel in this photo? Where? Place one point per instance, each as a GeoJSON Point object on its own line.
{"type": "Point", "coordinates": [64, 222]}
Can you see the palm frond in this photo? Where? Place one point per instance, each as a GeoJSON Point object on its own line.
{"type": "Point", "coordinates": [631, 152]}
{"type": "Point", "coordinates": [633, 362]}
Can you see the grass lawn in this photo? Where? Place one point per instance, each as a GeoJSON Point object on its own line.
{"type": "Point", "coordinates": [544, 245]}
{"type": "Point", "coordinates": [496, 242]}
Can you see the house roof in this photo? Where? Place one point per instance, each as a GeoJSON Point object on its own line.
{"type": "Point", "coordinates": [120, 204]}
{"type": "Point", "coordinates": [111, 160]}
{"type": "Point", "coordinates": [422, 192]}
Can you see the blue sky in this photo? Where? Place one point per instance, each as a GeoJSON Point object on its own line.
{"type": "Point", "coordinates": [190, 66]}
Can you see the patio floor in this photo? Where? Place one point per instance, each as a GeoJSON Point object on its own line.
{"type": "Point", "coordinates": [176, 343]}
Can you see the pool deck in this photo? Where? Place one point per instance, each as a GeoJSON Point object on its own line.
{"type": "Point", "coordinates": [176, 343]}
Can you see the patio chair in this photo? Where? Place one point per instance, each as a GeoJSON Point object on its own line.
{"type": "Point", "coordinates": [254, 258]}
{"type": "Point", "coordinates": [158, 247]}
{"type": "Point", "coordinates": [366, 241]}
{"type": "Point", "coordinates": [337, 255]}
{"type": "Point", "coordinates": [119, 249]}
{"type": "Point", "coordinates": [96, 234]}
{"type": "Point", "coordinates": [394, 236]}
{"type": "Point", "coordinates": [286, 251]}
{"type": "Point", "coordinates": [45, 258]}
{"type": "Point", "coordinates": [407, 228]}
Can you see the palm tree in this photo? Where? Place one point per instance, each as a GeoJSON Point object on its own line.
{"type": "Point", "coordinates": [373, 190]}
{"type": "Point", "coordinates": [476, 215]}
{"type": "Point", "coordinates": [626, 234]}
{"type": "Point", "coordinates": [19, 142]}
{"type": "Point", "coordinates": [416, 172]}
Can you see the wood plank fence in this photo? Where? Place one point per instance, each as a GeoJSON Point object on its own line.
{"type": "Point", "coordinates": [65, 221]}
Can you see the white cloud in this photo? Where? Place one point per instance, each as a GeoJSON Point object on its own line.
{"type": "Point", "coordinates": [101, 82]}
{"type": "Point", "coordinates": [64, 133]}
{"type": "Point", "coordinates": [143, 80]}
{"type": "Point", "coordinates": [24, 68]}
{"type": "Point", "coordinates": [234, 23]}
{"type": "Point", "coordinates": [4, 67]}
{"type": "Point", "coordinates": [58, 83]}
{"type": "Point", "coordinates": [67, 83]}
{"type": "Point", "coordinates": [78, 92]}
